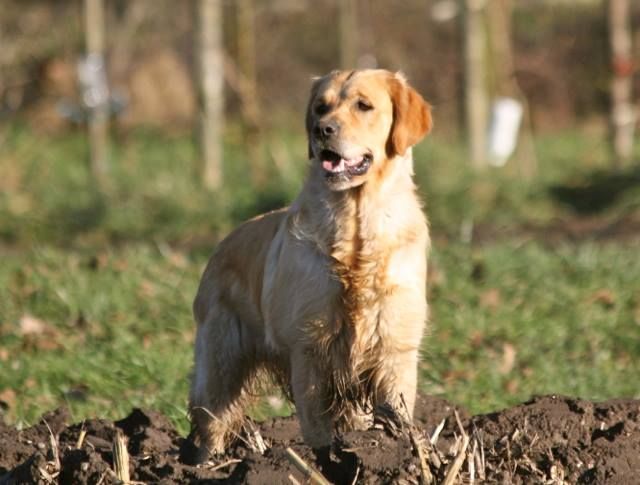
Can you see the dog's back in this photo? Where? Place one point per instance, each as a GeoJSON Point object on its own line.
{"type": "Point", "coordinates": [234, 274]}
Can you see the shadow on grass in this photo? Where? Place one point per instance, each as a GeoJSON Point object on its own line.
{"type": "Point", "coordinates": [69, 221]}
{"type": "Point", "coordinates": [269, 199]}
{"type": "Point", "coordinates": [61, 224]}
{"type": "Point", "coordinates": [598, 191]}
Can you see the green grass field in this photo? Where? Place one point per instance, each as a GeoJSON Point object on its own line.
{"type": "Point", "coordinates": [96, 289]}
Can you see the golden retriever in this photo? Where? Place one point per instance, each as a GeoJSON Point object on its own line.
{"type": "Point", "coordinates": [327, 295]}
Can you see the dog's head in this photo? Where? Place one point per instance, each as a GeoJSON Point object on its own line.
{"type": "Point", "coordinates": [358, 121]}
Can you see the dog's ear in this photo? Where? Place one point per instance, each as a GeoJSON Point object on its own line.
{"type": "Point", "coordinates": [317, 81]}
{"type": "Point", "coordinates": [411, 116]}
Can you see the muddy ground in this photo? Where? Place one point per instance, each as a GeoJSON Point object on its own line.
{"type": "Point", "coordinates": [550, 439]}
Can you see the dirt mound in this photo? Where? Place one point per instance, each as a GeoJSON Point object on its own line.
{"type": "Point", "coordinates": [551, 439]}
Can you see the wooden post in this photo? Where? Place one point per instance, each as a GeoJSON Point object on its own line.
{"type": "Point", "coordinates": [499, 16]}
{"type": "Point", "coordinates": [247, 60]}
{"type": "Point", "coordinates": [211, 96]}
{"type": "Point", "coordinates": [250, 106]}
{"type": "Point", "coordinates": [623, 116]}
{"type": "Point", "coordinates": [96, 92]}
{"type": "Point", "coordinates": [348, 34]}
{"type": "Point", "coordinates": [475, 82]}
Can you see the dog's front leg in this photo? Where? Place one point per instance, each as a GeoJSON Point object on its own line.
{"type": "Point", "coordinates": [403, 316]}
{"type": "Point", "coordinates": [404, 369]}
{"type": "Point", "coordinates": [310, 400]}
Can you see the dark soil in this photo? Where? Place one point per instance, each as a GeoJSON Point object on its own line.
{"type": "Point", "coordinates": [551, 439]}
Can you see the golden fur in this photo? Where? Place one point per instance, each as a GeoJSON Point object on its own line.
{"type": "Point", "coordinates": [327, 295]}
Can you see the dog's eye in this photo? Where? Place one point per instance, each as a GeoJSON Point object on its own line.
{"type": "Point", "coordinates": [321, 108]}
{"type": "Point", "coordinates": [364, 106]}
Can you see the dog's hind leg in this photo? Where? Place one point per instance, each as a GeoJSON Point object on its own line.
{"type": "Point", "coordinates": [316, 419]}
{"type": "Point", "coordinates": [225, 365]}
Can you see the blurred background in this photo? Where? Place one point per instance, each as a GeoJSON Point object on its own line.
{"type": "Point", "coordinates": [134, 134]}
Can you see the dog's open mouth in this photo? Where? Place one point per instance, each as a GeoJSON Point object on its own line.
{"type": "Point", "coordinates": [335, 164]}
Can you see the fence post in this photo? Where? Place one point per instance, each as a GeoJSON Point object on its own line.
{"type": "Point", "coordinates": [475, 81]}
{"type": "Point", "coordinates": [502, 65]}
{"type": "Point", "coordinates": [348, 33]}
{"type": "Point", "coordinates": [247, 77]}
{"type": "Point", "coordinates": [245, 18]}
{"type": "Point", "coordinates": [623, 116]}
{"type": "Point", "coordinates": [210, 79]}
{"type": "Point", "coordinates": [96, 94]}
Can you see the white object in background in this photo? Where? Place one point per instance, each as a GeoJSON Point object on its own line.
{"type": "Point", "coordinates": [506, 116]}
{"type": "Point", "coordinates": [92, 74]}
{"type": "Point", "coordinates": [444, 10]}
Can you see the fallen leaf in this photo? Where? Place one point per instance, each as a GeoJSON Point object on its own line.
{"type": "Point", "coordinates": [444, 335]}
{"type": "Point", "coordinates": [435, 276]}
{"type": "Point", "coordinates": [477, 338]}
{"type": "Point", "coordinates": [147, 341]}
{"type": "Point", "coordinates": [30, 325]}
{"type": "Point", "coordinates": [7, 398]}
{"type": "Point", "coordinates": [458, 375]}
{"type": "Point", "coordinates": [491, 299]}
{"type": "Point", "coordinates": [147, 289]}
{"type": "Point", "coordinates": [189, 334]}
{"type": "Point", "coordinates": [508, 358]}
{"type": "Point", "coordinates": [174, 257]}
{"type": "Point", "coordinates": [605, 297]}
{"type": "Point", "coordinates": [511, 386]}
{"type": "Point", "coordinates": [38, 334]}
{"type": "Point", "coordinates": [121, 265]}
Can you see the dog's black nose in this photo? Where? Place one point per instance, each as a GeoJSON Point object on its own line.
{"type": "Point", "coordinates": [328, 128]}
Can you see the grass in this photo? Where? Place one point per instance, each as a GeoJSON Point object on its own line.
{"type": "Point", "coordinates": [513, 321]}
{"type": "Point", "coordinates": [116, 330]}
{"type": "Point", "coordinates": [96, 289]}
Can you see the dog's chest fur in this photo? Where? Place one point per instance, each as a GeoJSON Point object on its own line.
{"type": "Point", "coordinates": [367, 250]}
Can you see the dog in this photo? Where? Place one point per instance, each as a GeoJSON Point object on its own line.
{"type": "Point", "coordinates": [327, 295]}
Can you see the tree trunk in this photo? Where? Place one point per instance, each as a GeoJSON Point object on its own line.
{"type": "Point", "coordinates": [210, 82]}
{"type": "Point", "coordinates": [499, 16]}
{"type": "Point", "coordinates": [250, 106]}
{"type": "Point", "coordinates": [96, 91]}
{"type": "Point", "coordinates": [475, 82]}
{"type": "Point", "coordinates": [623, 116]}
{"type": "Point", "coordinates": [247, 60]}
{"type": "Point", "coordinates": [348, 34]}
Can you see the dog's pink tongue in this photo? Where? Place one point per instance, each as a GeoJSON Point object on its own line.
{"type": "Point", "coordinates": [334, 166]}
{"type": "Point", "coordinates": [337, 166]}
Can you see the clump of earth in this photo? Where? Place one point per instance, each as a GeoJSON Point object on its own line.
{"type": "Point", "coordinates": [550, 439]}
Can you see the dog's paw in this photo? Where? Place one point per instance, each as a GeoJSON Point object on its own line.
{"type": "Point", "coordinates": [391, 418]}
{"type": "Point", "coordinates": [191, 453]}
